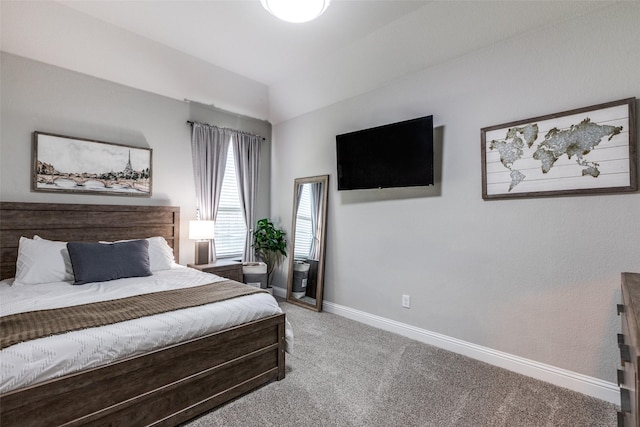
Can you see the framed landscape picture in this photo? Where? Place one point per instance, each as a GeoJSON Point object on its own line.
{"type": "Point", "coordinates": [75, 165]}
{"type": "Point", "coordinates": [584, 151]}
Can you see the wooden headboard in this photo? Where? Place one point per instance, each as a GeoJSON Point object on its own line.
{"type": "Point", "coordinates": [73, 222]}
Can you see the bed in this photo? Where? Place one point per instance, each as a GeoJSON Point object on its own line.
{"type": "Point", "coordinates": [160, 386]}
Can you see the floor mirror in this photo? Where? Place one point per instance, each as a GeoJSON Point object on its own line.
{"type": "Point", "coordinates": [308, 230]}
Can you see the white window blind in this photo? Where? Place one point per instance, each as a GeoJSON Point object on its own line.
{"type": "Point", "coordinates": [230, 229]}
{"type": "Point", "coordinates": [304, 236]}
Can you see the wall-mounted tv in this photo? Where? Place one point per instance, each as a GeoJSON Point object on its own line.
{"type": "Point", "coordinates": [394, 155]}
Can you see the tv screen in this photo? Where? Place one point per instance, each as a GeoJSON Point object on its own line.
{"type": "Point", "coordinates": [394, 155]}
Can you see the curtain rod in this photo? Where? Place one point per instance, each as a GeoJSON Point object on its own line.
{"type": "Point", "coordinates": [191, 122]}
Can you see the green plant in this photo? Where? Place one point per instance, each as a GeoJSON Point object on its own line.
{"type": "Point", "coordinates": [270, 245]}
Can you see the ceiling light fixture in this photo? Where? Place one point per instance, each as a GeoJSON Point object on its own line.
{"type": "Point", "coordinates": [296, 11]}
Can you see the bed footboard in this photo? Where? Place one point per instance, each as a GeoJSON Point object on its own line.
{"type": "Point", "coordinates": [163, 387]}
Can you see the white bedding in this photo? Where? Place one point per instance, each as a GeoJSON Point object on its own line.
{"type": "Point", "coordinates": [34, 361]}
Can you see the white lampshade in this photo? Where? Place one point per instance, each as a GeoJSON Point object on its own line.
{"type": "Point", "coordinates": [296, 11]}
{"type": "Point", "coordinates": [201, 230]}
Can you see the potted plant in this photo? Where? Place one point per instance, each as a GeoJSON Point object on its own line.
{"type": "Point", "coordinates": [270, 245]}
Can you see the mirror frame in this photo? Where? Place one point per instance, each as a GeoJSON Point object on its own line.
{"type": "Point", "coordinates": [324, 179]}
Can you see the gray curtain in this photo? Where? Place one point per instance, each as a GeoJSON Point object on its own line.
{"type": "Point", "coordinates": [297, 205]}
{"type": "Point", "coordinates": [316, 218]}
{"type": "Point", "coordinates": [247, 161]}
{"type": "Point", "coordinates": [209, 147]}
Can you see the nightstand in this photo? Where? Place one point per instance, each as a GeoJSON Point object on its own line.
{"type": "Point", "coordinates": [224, 268]}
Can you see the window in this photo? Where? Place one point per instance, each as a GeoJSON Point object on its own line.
{"type": "Point", "coordinates": [230, 229]}
{"type": "Point", "coordinates": [304, 236]}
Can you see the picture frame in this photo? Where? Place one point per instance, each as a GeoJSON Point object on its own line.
{"type": "Point", "coordinates": [589, 150]}
{"type": "Point", "coordinates": [65, 164]}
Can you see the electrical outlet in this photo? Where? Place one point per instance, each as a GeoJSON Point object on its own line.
{"type": "Point", "coordinates": [406, 301]}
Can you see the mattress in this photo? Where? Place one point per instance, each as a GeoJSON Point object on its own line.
{"type": "Point", "coordinates": [47, 358]}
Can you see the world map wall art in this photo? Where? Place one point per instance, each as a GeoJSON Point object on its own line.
{"type": "Point", "coordinates": [589, 150]}
{"type": "Point", "coordinates": [75, 165]}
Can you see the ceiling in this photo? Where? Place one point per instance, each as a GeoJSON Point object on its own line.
{"type": "Point", "coordinates": [354, 47]}
{"type": "Point", "coordinates": [241, 36]}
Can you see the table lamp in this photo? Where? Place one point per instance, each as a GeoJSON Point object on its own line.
{"type": "Point", "coordinates": [202, 231]}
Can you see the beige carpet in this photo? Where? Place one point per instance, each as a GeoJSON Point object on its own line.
{"type": "Point", "coordinates": [344, 373]}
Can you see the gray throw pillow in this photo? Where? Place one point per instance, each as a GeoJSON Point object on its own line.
{"type": "Point", "coordinates": [100, 262]}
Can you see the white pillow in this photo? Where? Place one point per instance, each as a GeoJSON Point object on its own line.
{"type": "Point", "coordinates": [42, 261]}
{"type": "Point", "coordinates": [160, 253]}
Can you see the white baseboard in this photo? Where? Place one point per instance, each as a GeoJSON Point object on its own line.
{"type": "Point", "coordinates": [279, 292]}
{"type": "Point", "coordinates": [584, 384]}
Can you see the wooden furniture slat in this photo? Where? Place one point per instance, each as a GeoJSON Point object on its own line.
{"type": "Point", "coordinates": [86, 234]}
{"type": "Point", "coordinates": [12, 219]}
{"type": "Point", "coordinates": [172, 401]}
{"type": "Point", "coordinates": [30, 206]}
{"type": "Point", "coordinates": [223, 268]}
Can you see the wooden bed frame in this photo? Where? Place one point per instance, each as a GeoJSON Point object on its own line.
{"type": "Point", "coordinates": [163, 387]}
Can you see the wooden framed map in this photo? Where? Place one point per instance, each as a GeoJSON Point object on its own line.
{"type": "Point", "coordinates": [76, 165]}
{"type": "Point", "coordinates": [583, 151]}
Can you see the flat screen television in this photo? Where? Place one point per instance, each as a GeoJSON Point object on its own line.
{"type": "Point", "coordinates": [395, 155]}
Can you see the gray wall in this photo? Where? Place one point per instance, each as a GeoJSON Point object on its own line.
{"type": "Point", "coordinates": [537, 278]}
{"type": "Point", "coordinates": [41, 97]}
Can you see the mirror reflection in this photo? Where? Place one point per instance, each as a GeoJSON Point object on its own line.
{"type": "Point", "coordinates": [306, 258]}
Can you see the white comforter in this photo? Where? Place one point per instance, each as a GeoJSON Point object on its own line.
{"type": "Point", "coordinates": [34, 361]}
